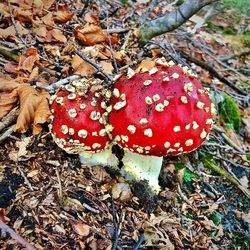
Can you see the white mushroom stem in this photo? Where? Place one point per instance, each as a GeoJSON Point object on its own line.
{"type": "Point", "coordinates": [103, 158]}
{"type": "Point", "coordinates": [142, 167]}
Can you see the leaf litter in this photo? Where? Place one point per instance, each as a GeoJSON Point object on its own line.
{"type": "Point", "coordinates": [72, 206]}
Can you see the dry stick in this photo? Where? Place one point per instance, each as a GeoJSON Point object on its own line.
{"type": "Point", "coordinates": [59, 183]}
{"type": "Point", "coordinates": [227, 175]}
{"type": "Point", "coordinates": [9, 119]}
{"type": "Point", "coordinates": [227, 139]}
{"type": "Point", "coordinates": [15, 27]}
{"type": "Point", "coordinates": [212, 71]}
{"type": "Point", "coordinates": [244, 53]}
{"type": "Point", "coordinates": [9, 54]}
{"type": "Point", "coordinates": [24, 177]}
{"type": "Point", "coordinates": [54, 86]}
{"type": "Point", "coordinates": [99, 68]}
{"type": "Point", "coordinates": [6, 229]}
{"type": "Point", "coordinates": [6, 134]}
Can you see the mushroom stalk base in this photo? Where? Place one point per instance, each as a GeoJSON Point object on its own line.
{"type": "Point", "coordinates": [103, 158]}
{"type": "Point", "coordinates": [142, 167]}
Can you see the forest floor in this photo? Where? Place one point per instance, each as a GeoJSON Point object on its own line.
{"type": "Point", "coordinates": [52, 201]}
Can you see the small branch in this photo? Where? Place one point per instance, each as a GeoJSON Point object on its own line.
{"type": "Point", "coordinates": [7, 53]}
{"type": "Point", "coordinates": [15, 27]}
{"type": "Point", "coordinates": [54, 86]}
{"type": "Point", "coordinates": [226, 58]}
{"type": "Point", "coordinates": [212, 71]}
{"type": "Point", "coordinates": [6, 134]}
{"type": "Point", "coordinates": [99, 69]}
{"type": "Point", "coordinates": [171, 21]}
{"type": "Point", "coordinates": [139, 242]}
{"type": "Point", "coordinates": [9, 119]}
{"type": "Point", "coordinates": [59, 184]}
{"type": "Point", "coordinates": [25, 178]}
{"type": "Point", "coordinates": [6, 229]}
{"type": "Point", "coordinates": [227, 139]}
{"type": "Point", "coordinates": [227, 175]}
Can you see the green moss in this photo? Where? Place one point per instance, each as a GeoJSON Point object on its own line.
{"type": "Point", "coordinates": [229, 112]}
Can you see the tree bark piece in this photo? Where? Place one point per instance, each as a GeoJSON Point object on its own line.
{"type": "Point", "coordinates": [171, 21]}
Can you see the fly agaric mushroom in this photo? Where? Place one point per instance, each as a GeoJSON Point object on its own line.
{"type": "Point", "coordinates": [79, 122]}
{"type": "Point", "coordinates": [158, 112]}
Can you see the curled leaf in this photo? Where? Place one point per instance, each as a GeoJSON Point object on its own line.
{"type": "Point", "coordinates": [8, 95]}
{"type": "Point", "coordinates": [34, 109]}
{"type": "Point", "coordinates": [91, 34]}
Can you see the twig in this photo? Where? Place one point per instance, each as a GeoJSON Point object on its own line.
{"type": "Point", "coordinates": [9, 119]}
{"type": "Point", "coordinates": [9, 54]}
{"type": "Point", "coordinates": [6, 229]}
{"type": "Point", "coordinates": [99, 68]}
{"type": "Point", "coordinates": [111, 49]}
{"type": "Point", "coordinates": [15, 27]}
{"type": "Point", "coordinates": [6, 134]}
{"type": "Point", "coordinates": [227, 175]}
{"type": "Point", "coordinates": [116, 233]}
{"type": "Point", "coordinates": [88, 207]}
{"type": "Point", "coordinates": [212, 71]}
{"type": "Point", "coordinates": [117, 30]}
{"type": "Point", "coordinates": [182, 195]}
{"type": "Point", "coordinates": [59, 183]}
{"type": "Point", "coordinates": [227, 139]}
{"type": "Point", "coordinates": [25, 178]}
{"type": "Point", "coordinates": [226, 58]}
{"type": "Point", "coordinates": [139, 242]}
{"type": "Point", "coordinates": [54, 86]}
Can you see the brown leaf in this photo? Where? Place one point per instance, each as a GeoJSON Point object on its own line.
{"type": "Point", "coordinates": [91, 34]}
{"type": "Point", "coordinates": [27, 61]}
{"type": "Point", "coordinates": [81, 229]}
{"type": "Point", "coordinates": [63, 14]}
{"type": "Point", "coordinates": [11, 67]}
{"type": "Point", "coordinates": [145, 65]}
{"type": "Point", "coordinates": [91, 18]}
{"type": "Point", "coordinates": [107, 66]}
{"type": "Point", "coordinates": [82, 67]}
{"type": "Point", "coordinates": [10, 32]}
{"type": "Point", "coordinates": [3, 217]}
{"type": "Point", "coordinates": [34, 109]}
{"type": "Point", "coordinates": [8, 95]}
{"type": "Point", "coordinates": [54, 35]}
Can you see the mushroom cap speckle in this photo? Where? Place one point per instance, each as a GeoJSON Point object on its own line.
{"type": "Point", "coordinates": [162, 111]}
{"type": "Point", "coordinates": [78, 120]}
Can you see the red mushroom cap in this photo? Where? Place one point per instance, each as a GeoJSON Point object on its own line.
{"type": "Point", "coordinates": [162, 111]}
{"type": "Point", "coordinates": [78, 119]}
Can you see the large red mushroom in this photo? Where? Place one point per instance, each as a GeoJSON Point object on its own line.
{"type": "Point", "coordinates": [79, 122]}
{"type": "Point", "coordinates": [156, 112]}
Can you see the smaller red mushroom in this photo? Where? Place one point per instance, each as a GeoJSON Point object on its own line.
{"type": "Point", "coordinates": [79, 122]}
{"type": "Point", "coordinates": [158, 112]}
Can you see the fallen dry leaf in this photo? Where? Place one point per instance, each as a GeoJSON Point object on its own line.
{"type": "Point", "coordinates": [8, 95]}
{"type": "Point", "coordinates": [10, 32]}
{"type": "Point", "coordinates": [28, 60]}
{"type": "Point", "coordinates": [3, 217]}
{"type": "Point", "coordinates": [91, 34]}
{"type": "Point", "coordinates": [63, 14]}
{"type": "Point", "coordinates": [81, 229]}
{"type": "Point", "coordinates": [91, 18]}
{"type": "Point", "coordinates": [34, 109]}
{"type": "Point", "coordinates": [82, 67]}
{"type": "Point", "coordinates": [122, 192]}
{"type": "Point", "coordinates": [145, 65]}
{"type": "Point", "coordinates": [107, 66]}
